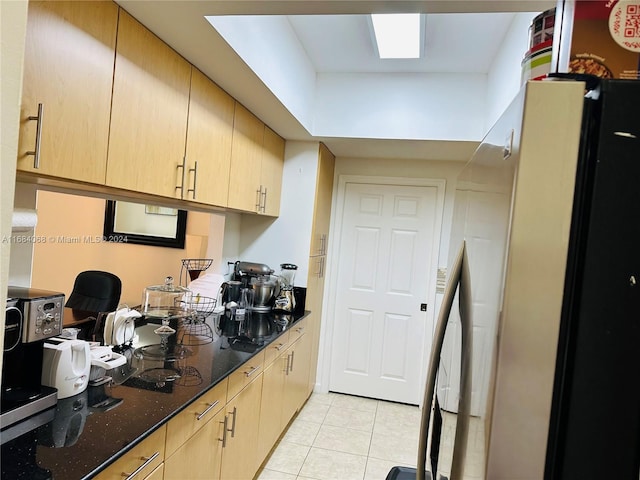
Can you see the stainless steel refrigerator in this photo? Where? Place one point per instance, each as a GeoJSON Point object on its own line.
{"type": "Point", "coordinates": [535, 372]}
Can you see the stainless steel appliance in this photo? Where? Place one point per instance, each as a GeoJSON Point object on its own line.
{"type": "Point", "coordinates": [545, 384]}
{"type": "Point", "coordinates": [258, 277]}
{"type": "Point", "coordinates": [31, 317]}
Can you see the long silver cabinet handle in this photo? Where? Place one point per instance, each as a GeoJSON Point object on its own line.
{"type": "Point", "coordinates": [181, 186]}
{"type": "Point", "coordinates": [264, 200]}
{"type": "Point", "coordinates": [286, 368]}
{"type": "Point", "coordinates": [147, 461]}
{"type": "Point", "coordinates": [233, 423]}
{"type": "Point", "coordinates": [252, 371]}
{"type": "Point", "coordinates": [195, 178]}
{"type": "Point", "coordinates": [36, 151]}
{"type": "Point", "coordinates": [224, 431]}
{"type": "Point", "coordinates": [209, 408]}
{"type": "Point", "coordinates": [258, 199]}
{"type": "Point", "coordinates": [291, 366]}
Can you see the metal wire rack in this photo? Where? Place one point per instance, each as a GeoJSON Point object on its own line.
{"type": "Point", "coordinates": [194, 330]}
{"type": "Point", "coordinates": [191, 268]}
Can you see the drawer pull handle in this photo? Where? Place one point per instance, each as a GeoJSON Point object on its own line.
{"type": "Point", "coordinates": [300, 330]}
{"type": "Point", "coordinates": [279, 346]}
{"type": "Point", "coordinates": [147, 461]}
{"type": "Point", "coordinates": [209, 408]}
{"type": "Point", "coordinates": [252, 371]}
{"type": "Point", "coordinates": [36, 151]}
{"type": "Point", "coordinates": [224, 432]}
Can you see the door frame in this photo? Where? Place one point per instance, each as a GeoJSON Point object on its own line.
{"type": "Point", "coordinates": [333, 256]}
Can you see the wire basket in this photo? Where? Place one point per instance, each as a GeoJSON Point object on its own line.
{"type": "Point", "coordinates": [193, 329]}
{"type": "Point", "coordinates": [193, 267]}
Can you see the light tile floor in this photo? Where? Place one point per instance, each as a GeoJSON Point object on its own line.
{"type": "Point", "coordinates": [348, 438]}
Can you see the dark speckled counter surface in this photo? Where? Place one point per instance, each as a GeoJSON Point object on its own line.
{"type": "Point", "coordinates": [87, 432]}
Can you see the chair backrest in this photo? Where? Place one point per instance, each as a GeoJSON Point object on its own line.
{"type": "Point", "coordinates": [95, 291]}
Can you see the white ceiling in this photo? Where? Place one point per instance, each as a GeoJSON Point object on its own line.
{"type": "Point", "coordinates": [462, 37]}
{"type": "Point", "coordinates": [454, 43]}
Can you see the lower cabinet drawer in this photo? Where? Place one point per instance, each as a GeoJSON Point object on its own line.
{"type": "Point", "coordinates": [140, 461]}
{"type": "Point", "coordinates": [245, 374]}
{"type": "Point", "coordinates": [195, 416]}
{"type": "Point", "coordinates": [275, 348]}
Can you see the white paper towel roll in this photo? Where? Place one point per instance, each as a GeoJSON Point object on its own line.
{"type": "Point", "coordinates": [23, 220]}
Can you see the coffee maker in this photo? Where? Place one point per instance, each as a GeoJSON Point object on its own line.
{"type": "Point", "coordinates": [31, 317]}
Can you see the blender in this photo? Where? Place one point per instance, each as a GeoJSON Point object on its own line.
{"type": "Point", "coordinates": [285, 301]}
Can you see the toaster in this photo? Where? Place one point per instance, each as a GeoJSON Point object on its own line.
{"type": "Point", "coordinates": [66, 365]}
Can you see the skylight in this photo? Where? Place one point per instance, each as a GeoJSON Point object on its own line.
{"type": "Point", "coordinates": [397, 35]}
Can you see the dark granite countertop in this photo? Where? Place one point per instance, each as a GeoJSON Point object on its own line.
{"type": "Point", "coordinates": [83, 434]}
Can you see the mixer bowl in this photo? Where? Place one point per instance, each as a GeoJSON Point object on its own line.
{"type": "Point", "coordinates": [263, 293]}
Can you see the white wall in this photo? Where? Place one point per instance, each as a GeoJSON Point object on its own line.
{"type": "Point", "coordinates": [287, 238]}
{"type": "Point", "coordinates": [503, 81]}
{"type": "Point", "coordinates": [269, 46]}
{"type": "Point", "coordinates": [21, 263]}
{"type": "Point", "coordinates": [400, 105]}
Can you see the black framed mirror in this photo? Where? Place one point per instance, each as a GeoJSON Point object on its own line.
{"type": "Point", "coordinates": [126, 222]}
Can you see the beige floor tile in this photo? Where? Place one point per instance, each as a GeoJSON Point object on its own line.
{"type": "Point", "coordinates": [287, 458]}
{"type": "Point", "coordinates": [349, 418]}
{"type": "Point", "coordinates": [378, 469]}
{"type": "Point", "coordinates": [343, 440]}
{"type": "Point", "coordinates": [273, 475]}
{"type": "Point", "coordinates": [355, 403]}
{"type": "Point", "coordinates": [302, 432]}
{"type": "Point", "coordinates": [322, 398]}
{"type": "Point", "coordinates": [330, 465]}
{"type": "Point", "coordinates": [394, 417]}
{"type": "Point", "coordinates": [395, 446]}
{"type": "Point", "coordinates": [314, 412]}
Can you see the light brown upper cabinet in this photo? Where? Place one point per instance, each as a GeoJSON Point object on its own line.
{"type": "Point", "coordinates": [209, 136]}
{"type": "Point", "coordinates": [149, 113]}
{"type": "Point", "coordinates": [257, 159]}
{"type": "Point", "coordinates": [271, 172]}
{"type": "Point", "coordinates": [246, 161]}
{"type": "Point", "coordinates": [68, 69]}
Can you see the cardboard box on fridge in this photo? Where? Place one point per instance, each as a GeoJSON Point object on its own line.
{"type": "Point", "coordinates": [598, 37]}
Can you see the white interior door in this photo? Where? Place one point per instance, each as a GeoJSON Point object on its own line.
{"type": "Point", "coordinates": [387, 238]}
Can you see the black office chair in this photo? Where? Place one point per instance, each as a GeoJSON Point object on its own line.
{"type": "Point", "coordinates": [95, 291]}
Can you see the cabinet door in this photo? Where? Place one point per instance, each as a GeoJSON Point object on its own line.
{"type": "Point", "coordinates": [209, 136]}
{"type": "Point", "coordinates": [239, 456]}
{"type": "Point", "coordinates": [75, 93]}
{"type": "Point", "coordinates": [157, 474]}
{"type": "Point", "coordinates": [297, 377]}
{"type": "Point", "coordinates": [184, 425]}
{"type": "Point", "coordinates": [147, 456]}
{"type": "Point", "coordinates": [322, 204]}
{"type": "Point", "coordinates": [271, 423]}
{"type": "Point", "coordinates": [271, 172]}
{"type": "Point", "coordinates": [149, 113]}
{"type": "Point", "coordinates": [200, 457]}
{"type": "Point", "coordinates": [246, 161]}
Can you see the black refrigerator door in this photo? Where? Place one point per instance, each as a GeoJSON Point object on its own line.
{"type": "Point", "coordinates": [595, 429]}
